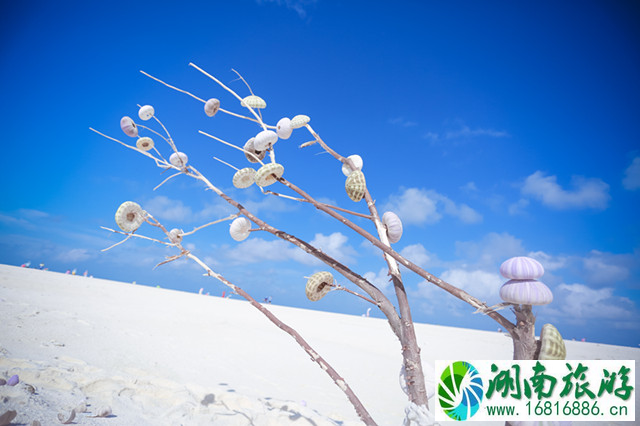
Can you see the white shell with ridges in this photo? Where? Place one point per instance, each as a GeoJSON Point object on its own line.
{"type": "Point", "coordinates": [254, 101]}
{"type": "Point", "coordinates": [211, 107]}
{"type": "Point", "coordinates": [551, 344]}
{"type": "Point", "coordinates": [318, 285]}
{"type": "Point", "coordinates": [393, 225]}
{"type": "Point", "coordinates": [239, 228]}
{"type": "Point", "coordinates": [265, 140]}
{"type": "Point", "coordinates": [175, 235]}
{"type": "Point", "coordinates": [244, 178]}
{"type": "Point", "coordinates": [146, 112]}
{"type": "Point", "coordinates": [299, 121]}
{"type": "Point", "coordinates": [128, 126]}
{"type": "Point", "coordinates": [521, 268]}
{"type": "Point", "coordinates": [526, 292]}
{"type": "Point", "coordinates": [356, 186]}
{"type": "Point", "coordinates": [268, 174]}
{"type": "Point", "coordinates": [179, 159]}
{"type": "Point", "coordinates": [144, 143]}
{"type": "Point", "coordinates": [284, 128]}
{"type": "Point", "coordinates": [250, 147]}
{"type": "Point", "coordinates": [357, 161]}
{"type": "Point", "coordinates": [130, 216]}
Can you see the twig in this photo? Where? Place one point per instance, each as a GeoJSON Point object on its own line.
{"type": "Point", "coordinates": [231, 145]}
{"type": "Point", "coordinates": [226, 164]}
{"type": "Point", "coordinates": [324, 204]}
{"type": "Point", "coordinates": [230, 217]}
{"type": "Point", "coordinates": [163, 182]}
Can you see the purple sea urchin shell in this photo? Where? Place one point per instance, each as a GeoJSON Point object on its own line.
{"type": "Point", "coordinates": [393, 225]}
{"type": "Point", "coordinates": [13, 380]}
{"type": "Point", "coordinates": [521, 268]}
{"type": "Point", "coordinates": [128, 126]}
{"type": "Point", "coordinates": [211, 107]}
{"type": "Point", "coordinates": [526, 292]}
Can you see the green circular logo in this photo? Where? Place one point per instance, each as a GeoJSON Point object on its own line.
{"type": "Point", "coordinates": [460, 390]}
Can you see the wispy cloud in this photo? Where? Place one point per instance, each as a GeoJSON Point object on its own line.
{"type": "Point", "coordinates": [299, 6]}
{"type": "Point", "coordinates": [465, 132]}
{"type": "Point", "coordinates": [420, 206]}
{"type": "Point", "coordinates": [585, 193]}
{"type": "Point", "coordinates": [402, 122]}
{"type": "Point", "coordinates": [631, 179]}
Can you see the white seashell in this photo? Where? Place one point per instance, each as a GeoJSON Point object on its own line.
{"type": "Point", "coordinates": [357, 161]}
{"type": "Point", "coordinates": [244, 178]}
{"type": "Point", "coordinates": [179, 159]}
{"type": "Point", "coordinates": [254, 101]}
{"type": "Point", "coordinates": [65, 420]}
{"type": "Point", "coordinates": [265, 140]}
{"type": "Point", "coordinates": [239, 228]}
{"type": "Point", "coordinates": [144, 143]}
{"type": "Point", "coordinates": [284, 128]}
{"type": "Point", "coordinates": [211, 107]}
{"type": "Point", "coordinates": [175, 235]}
{"type": "Point", "coordinates": [268, 174]}
{"type": "Point", "coordinates": [551, 343]}
{"type": "Point", "coordinates": [521, 268]}
{"type": "Point", "coordinates": [128, 126]}
{"type": "Point", "coordinates": [318, 285]}
{"type": "Point", "coordinates": [356, 185]}
{"type": "Point", "coordinates": [526, 292]}
{"type": "Point", "coordinates": [146, 112]}
{"type": "Point", "coordinates": [130, 216]}
{"type": "Point", "coordinates": [299, 121]}
{"type": "Point", "coordinates": [81, 408]}
{"type": "Point", "coordinates": [251, 149]}
{"type": "Point", "coordinates": [394, 226]}
{"type": "Point", "coordinates": [104, 411]}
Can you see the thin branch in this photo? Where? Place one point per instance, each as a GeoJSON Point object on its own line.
{"type": "Point", "coordinates": [118, 243]}
{"type": "Point", "coordinates": [226, 164]}
{"type": "Point", "coordinates": [230, 217]}
{"type": "Point", "coordinates": [324, 204]}
{"type": "Point", "coordinates": [231, 145]}
{"type": "Point", "coordinates": [340, 288]}
{"type": "Point", "coordinates": [163, 182]}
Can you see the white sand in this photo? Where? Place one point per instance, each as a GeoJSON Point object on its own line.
{"type": "Point", "coordinates": [154, 355]}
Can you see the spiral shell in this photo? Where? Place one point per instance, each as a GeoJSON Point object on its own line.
{"type": "Point", "coordinates": [239, 228]}
{"type": "Point", "coordinates": [357, 161]}
{"type": "Point", "coordinates": [175, 235]}
{"type": "Point", "coordinates": [244, 178]}
{"type": "Point", "coordinates": [130, 216]}
{"type": "Point", "coordinates": [299, 121]}
{"type": "Point", "coordinates": [394, 226]}
{"type": "Point", "coordinates": [128, 126]}
{"type": "Point", "coordinates": [146, 112]}
{"type": "Point", "coordinates": [211, 107]}
{"type": "Point", "coordinates": [268, 174]}
{"type": "Point", "coordinates": [356, 185]}
{"type": "Point", "coordinates": [253, 101]}
{"type": "Point", "coordinates": [179, 159]}
{"type": "Point", "coordinates": [318, 285]}
{"type": "Point", "coordinates": [521, 268]}
{"type": "Point", "coordinates": [526, 292]}
{"type": "Point", "coordinates": [284, 128]}
{"type": "Point", "coordinates": [144, 143]}
{"type": "Point", "coordinates": [265, 140]}
{"type": "Point", "coordinates": [250, 148]}
{"type": "Point", "coordinates": [65, 420]}
{"type": "Point", "coordinates": [551, 343]}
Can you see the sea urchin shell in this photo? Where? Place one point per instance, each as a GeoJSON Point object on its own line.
{"type": "Point", "coordinates": [299, 121]}
{"type": "Point", "coordinates": [211, 107]}
{"type": "Point", "coordinates": [130, 216]}
{"type": "Point", "coordinates": [179, 159]}
{"type": "Point", "coordinates": [521, 268]}
{"type": "Point", "coordinates": [175, 235]}
{"type": "Point", "coordinates": [356, 185]}
{"type": "Point", "coordinates": [526, 292]}
{"type": "Point", "coordinates": [551, 344]}
{"type": "Point", "coordinates": [356, 160]}
{"type": "Point", "coordinates": [253, 101]}
{"type": "Point", "coordinates": [318, 285]}
{"type": "Point", "coordinates": [128, 126]}
{"type": "Point", "coordinates": [265, 140]}
{"type": "Point", "coordinates": [244, 178]}
{"type": "Point", "coordinates": [252, 154]}
{"type": "Point", "coordinates": [284, 128]}
{"type": "Point", "coordinates": [268, 174]}
{"type": "Point", "coordinates": [144, 143]}
{"type": "Point", "coordinates": [146, 112]}
{"type": "Point", "coordinates": [394, 226]}
{"type": "Point", "coordinates": [239, 228]}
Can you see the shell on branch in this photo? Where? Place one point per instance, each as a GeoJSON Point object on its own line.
{"type": "Point", "coordinates": [521, 268]}
{"type": "Point", "coordinates": [318, 285]}
{"type": "Point", "coordinates": [253, 101]}
{"type": "Point", "coordinates": [551, 344]}
{"type": "Point", "coordinates": [179, 159]}
{"type": "Point", "coordinates": [299, 121]}
{"type": "Point", "coordinates": [211, 107]}
{"type": "Point", "coordinates": [130, 216]}
{"type": "Point", "coordinates": [249, 147]}
{"type": "Point", "coordinates": [146, 112]}
{"type": "Point", "coordinates": [239, 228]}
{"type": "Point", "coordinates": [244, 178]}
{"type": "Point", "coordinates": [357, 161]}
{"type": "Point", "coordinates": [144, 143]}
{"type": "Point", "coordinates": [526, 292]}
{"type": "Point", "coordinates": [356, 186]}
{"type": "Point", "coordinates": [284, 128]}
{"type": "Point", "coordinates": [175, 235]}
{"type": "Point", "coordinates": [128, 126]}
{"type": "Point", "coordinates": [268, 174]}
{"type": "Point", "coordinates": [265, 140]}
{"type": "Point", "coordinates": [394, 226]}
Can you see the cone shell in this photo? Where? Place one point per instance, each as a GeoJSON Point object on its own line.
{"type": "Point", "coordinates": [146, 112]}
{"type": "Point", "coordinates": [265, 174]}
{"type": "Point", "coordinates": [265, 140]}
{"type": "Point", "coordinates": [250, 147]}
{"type": "Point", "coordinates": [144, 143]}
{"type": "Point", "coordinates": [318, 285]}
{"type": "Point", "coordinates": [551, 343]}
{"type": "Point", "coordinates": [244, 178]}
{"type": "Point", "coordinates": [175, 235]}
{"type": "Point", "coordinates": [239, 228]}
{"type": "Point", "coordinates": [526, 292]}
{"type": "Point", "coordinates": [299, 121]}
{"type": "Point", "coordinates": [521, 268]}
{"type": "Point", "coordinates": [130, 216]}
{"type": "Point", "coordinates": [179, 159]}
{"type": "Point", "coordinates": [394, 226]}
{"type": "Point", "coordinates": [357, 161]}
{"type": "Point", "coordinates": [254, 101]}
{"type": "Point", "coordinates": [128, 126]}
{"type": "Point", "coordinates": [356, 186]}
{"type": "Point", "coordinates": [284, 128]}
{"type": "Point", "coordinates": [211, 107]}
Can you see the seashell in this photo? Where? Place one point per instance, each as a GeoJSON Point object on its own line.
{"type": "Point", "coordinates": [239, 228]}
{"type": "Point", "coordinates": [284, 128]}
{"type": "Point", "coordinates": [521, 268]}
{"type": "Point", "coordinates": [299, 121]}
{"type": "Point", "coordinates": [551, 343]}
{"type": "Point", "coordinates": [128, 126]}
{"type": "Point", "coordinates": [211, 107]}
{"type": "Point", "coordinates": [318, 285]}
{"type": "Point", "coordinates": [357, 161]}
{"type": "Point", "coordinates": [526, 292]}
{"type": "Point", "coordinates": [7, 417]}
{"type": "Point", "coordinates": [36, 423]}
{"type": "Point", "coordinates": [394, 226]}
{"type": "Point", "coordinates": [265, 140]}
{"type": "Point", "coordinates": [175, 235]}
{"type": "Point", "coordinates": [253, 101]}
{"type": "Point", "coordinates": [145, 143]}
{"type": "Point", "coordinates": [65, 420]}
{"type": "Point", "coordinates": [356, 185]}
{"type": "Point", "coordinates": [30, 388]}
{"type": "Point", "coordinates": [179, 159]}
{"type": "Point", "coordinates": [250, 148]}
{"type": "Point", "coordinates": [13, 380]}
{"type": "Point", "coordinates": [146, 112]}
{"type": "Point", "coordinates": [3, 382]}
{"type": "Point", "coordinates": [130, 216]}
{"type": "Point", "coordinates": [104, 411]}
{"type": "Point", "coordinates": [244, 178]}
{"type": "Point", "coordinates": [268, 174]}
{"type": "Point", "coordinates": [81, 408]}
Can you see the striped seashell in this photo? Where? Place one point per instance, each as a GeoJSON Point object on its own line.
{"type": "Point", "coordinates": [250, 148]}
{"type": "Point", "coordinates": [211, 107]}
{"type": "Point", "coordinates": [521, 268]}
{"type": "Point", "coordinates": [393, 225]}
{"type": "Point", "coordinates": [357, 161]}
{"type": "Point", "coordinates": [146, 112]}
{"type": "Point", "coordinates": [253, 101]}
{"type": "Point", "coordinates": [244, 178]}
{"type": "Point", "coordinates": [299, 121]}
{"type": "Point", "coordinates": [551, 344]}
{"type": "Point", "coordinates": [318, 285]}
{"type": "Point", "coordinates": [175, 235]}
{"type": "Point", "coordinates": [265, 140]}
{"type": "Point", "coordinates": [144, 143]}
{"type": "Point", "coordinates": [179, 159]}
{"type": "Point", "coordinates": [356, 185]}
{"type": "Point", "coordinates": [526, 292]}
{"type": "Point", "coordinates": [269, 174]}
{"type": "Point", "coordinates": [284, 128]}
{"type": "Point", "coordinates": [130, 216]}
{"type": "Point", "coordinates": [239, 228]}
{"type": "Point", "coordinates": [128, 126]}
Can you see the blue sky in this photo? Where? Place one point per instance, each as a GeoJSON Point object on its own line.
{"type": "Point", "coordinates": [493, 129]}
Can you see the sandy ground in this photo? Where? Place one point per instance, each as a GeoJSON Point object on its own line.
{"type": "Point", "coordinates": [163, 357]}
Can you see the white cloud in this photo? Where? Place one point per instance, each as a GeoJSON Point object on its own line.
{"type": "Point", "coordinates": [631, 179]}
{"type": "Point", "coordinates": [586, 192]}
{"type": "Point", "coordinates": [481, 284]}
{"type": "Point", "coordinates": [491, 251]}
{"type": "Point", "coordinates": [417, 254]}
{"type": "Point", "coordinates": [381, 280]}
{"type": "Point", "coordinates": [579, 302]}
{"type": "Point", "coordinates": [74, 255]}
{"type": "Point", "coordinates": [299, 6]}
{"type": "Point", "coordinates": [419, 206]}
{"type": "Point", "coordinates": [604, 268]}
{"type": "Point", "coordinates": [466, 132]}
{"type": "Point", "coordinates": [162, 207]}
{"type": "Point", "coordinates": [518, 207]}
{"type": "Point", "coordinates": [400, 121]}
{"type": "Point", "coordinates": [549, 262]}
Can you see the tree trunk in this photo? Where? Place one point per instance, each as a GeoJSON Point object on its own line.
{"type": "Point", "coordinates": [524, 337]}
